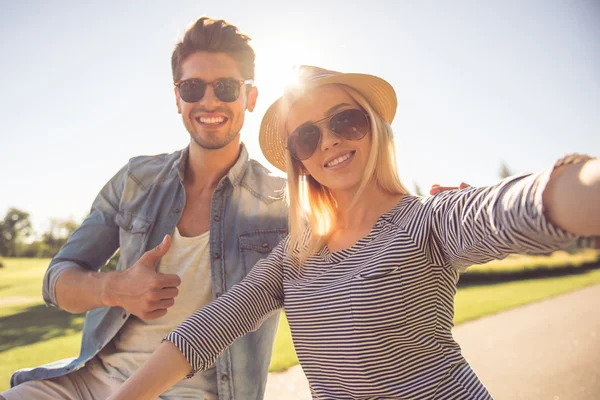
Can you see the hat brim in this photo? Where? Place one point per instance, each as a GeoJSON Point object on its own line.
{"type": "Point", "coordinates": [272, 136]}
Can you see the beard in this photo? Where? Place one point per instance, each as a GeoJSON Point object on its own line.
{"type": "Point", "coordinates": [214, 143]}
{"type": "Point", "coordinates": [212, 140]}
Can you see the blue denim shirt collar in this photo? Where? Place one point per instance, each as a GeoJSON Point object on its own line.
{"type": "Point", "coordinates": [235, 173]}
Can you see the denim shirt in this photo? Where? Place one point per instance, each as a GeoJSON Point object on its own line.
{"type": "Point", "coordinates": [133, 212]}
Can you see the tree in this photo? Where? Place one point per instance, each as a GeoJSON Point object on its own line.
{"type": "Point", "coordinates": [56, 236]}
{"type": "Point", "coordinates": [15, 226]}
{"type": "Point", "coordinates": [504, 171]}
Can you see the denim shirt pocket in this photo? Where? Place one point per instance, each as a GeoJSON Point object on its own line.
{"type": "Point", "coordinates": [257, 245]}
{"type": "Point", "coordinates": [376, 298]}
{"type": "Point", "coordinates": [133, 234]}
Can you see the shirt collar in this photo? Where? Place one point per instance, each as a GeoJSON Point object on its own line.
{"type": "Point", "coordinates": [235, 174]}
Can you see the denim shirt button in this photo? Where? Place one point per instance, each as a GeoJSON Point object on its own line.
{"type": "Point", "coordinates": [218, 294]}
{"type": "Point", "coordinates": [224, 378]}
{"type": "Point", "coordinates": [217, 255]}
{"type": "Point", "coordinates": [265, 245]}
{"type": "Point", "coordinates": [176, 211]}
{"type": "Point", "coordinates": [217, 218]}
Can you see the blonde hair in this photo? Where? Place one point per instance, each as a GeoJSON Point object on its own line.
{"type": "Point", "coordinates": [313, 209]}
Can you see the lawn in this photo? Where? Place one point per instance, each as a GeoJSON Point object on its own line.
{"type": "Point", "coordinates": [32, 334]}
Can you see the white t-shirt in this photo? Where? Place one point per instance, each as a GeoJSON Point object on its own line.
{"type": "Point", "coordinates": [188, 257]}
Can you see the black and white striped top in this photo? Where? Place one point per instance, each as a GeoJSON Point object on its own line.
{"type": "Point", "coordinates": [374, 321]}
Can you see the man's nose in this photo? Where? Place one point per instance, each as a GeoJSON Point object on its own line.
{"type": "Point", "coordinates": [209, 99]}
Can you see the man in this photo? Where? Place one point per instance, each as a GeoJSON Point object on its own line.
{"type": "Point", "coordinates": [224, 212]}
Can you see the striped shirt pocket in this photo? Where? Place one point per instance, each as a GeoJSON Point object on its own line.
{"type": "Point", "coordinates": [376, 297]}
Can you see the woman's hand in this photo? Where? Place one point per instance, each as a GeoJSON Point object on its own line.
{"type": "Point", "coordinates": [571, 198]}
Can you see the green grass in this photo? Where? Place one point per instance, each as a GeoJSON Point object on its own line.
{"type": "Point", "coordinates": [32, 334]}
{"type": "Point", "coordinates": [284, 355]}
{"type": "Point", "coordinates": [558, 259]}
{"type": "Point", "coordinates": [477, 301]}
{"type": "Point", "coordinates": [36, 354]}
{"type": "Point", "coordinates": [22, 277]}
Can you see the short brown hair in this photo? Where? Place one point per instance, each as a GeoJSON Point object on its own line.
{"type": "Point", "coordinates": [214, 36]}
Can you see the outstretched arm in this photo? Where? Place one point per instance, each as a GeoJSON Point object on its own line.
{"type": "Point", "coordinates": [531, 214]}
{"type": "Point", "coordinates": [165, 368]}
{"type": "Point", "coordinates": [570, 200]}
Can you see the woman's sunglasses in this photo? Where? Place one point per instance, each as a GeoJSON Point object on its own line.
{"type": "Point", "coordinates": [226, 89]}
{"type": "Point", "coordinates": [348, 124]}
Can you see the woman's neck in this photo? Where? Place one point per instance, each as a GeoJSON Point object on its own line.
{"type": "Point", "coordinates": [373, 203]}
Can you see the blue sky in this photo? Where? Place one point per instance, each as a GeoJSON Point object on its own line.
{"type": "Point", "coordinates": [84, 87]}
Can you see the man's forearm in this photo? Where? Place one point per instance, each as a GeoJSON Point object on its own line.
{"type": "Point", "coordinates": [79, 290]}
{"type": "Point", "coordinates": [572, 198]}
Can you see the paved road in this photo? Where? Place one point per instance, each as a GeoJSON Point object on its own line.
{"type": "Point", "coordinates": [543, 351]}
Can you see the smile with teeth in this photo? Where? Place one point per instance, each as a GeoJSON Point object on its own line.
{"type": "Point", "coordinates": [339, 160]}
{"type": "Point", "coordinates": [211, 120]}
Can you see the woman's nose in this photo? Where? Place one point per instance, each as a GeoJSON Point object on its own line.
{"type": "Point", "coordinates": [328, 139]}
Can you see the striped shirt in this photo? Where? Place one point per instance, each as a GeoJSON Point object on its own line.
{"type": "Point", "coordinates": [374, 321]}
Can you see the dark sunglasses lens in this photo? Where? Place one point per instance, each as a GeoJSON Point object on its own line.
{"type": "Point", "coordinates": [303, 142]}
{"type": "Point", "coordinates": [192, 90]}
{"type": "Point", "coordinates": [227, 90]}
{"type": "Point", "coordinates": [350, 124]}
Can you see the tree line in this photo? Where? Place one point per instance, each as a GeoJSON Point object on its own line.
{"type": "Point", "coordinates": [17, 238]}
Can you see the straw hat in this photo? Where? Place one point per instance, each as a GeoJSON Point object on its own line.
{"type": "Point", "coordinates": [273, 136]}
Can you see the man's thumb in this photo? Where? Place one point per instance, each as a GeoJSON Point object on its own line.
{"type": "Point", "coordinates": [152, 256]}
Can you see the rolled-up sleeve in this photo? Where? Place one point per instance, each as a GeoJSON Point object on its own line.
{"type": "Point", "coordinates": [477, 225]}
{"type": "Point", "coordinates": [93, 243]}
{"type": "Point", "coordinates": [210, 330]}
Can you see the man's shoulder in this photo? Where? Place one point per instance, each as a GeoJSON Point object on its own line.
{"type": "Point", "coordinates": [148, 169]}
{"type": "Point", "coordinates": [154, 160]}
{"type": "Point", "coordinates": [262, 182]}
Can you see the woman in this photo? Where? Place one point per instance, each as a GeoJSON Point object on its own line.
{"type": "Point", "coordinates": [368, 273]}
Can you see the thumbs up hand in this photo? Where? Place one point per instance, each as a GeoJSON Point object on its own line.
{"type": "Point", "coordinates": [141, 290]}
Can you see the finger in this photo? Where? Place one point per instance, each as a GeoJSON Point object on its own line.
{"type": "Point", "coordinates": [166, 303]}
{"type": "Point", "coordinates": [463, 185]}
{"type": "Point", "coordinates": [168, 280]}
{"type": "Point", "coordinates": [440, 189]}
{"type": "Point", "coordinates": [148, 316]}
{"type": "Point", "coordinates": [169, 293]}
{"type": "Point", "coordinates": [151, 257]}
{"type": "Point", "coordinates": [434, 189]}
{"type": "Point", "coordinates": [445, 188]}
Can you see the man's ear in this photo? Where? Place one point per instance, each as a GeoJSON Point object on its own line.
{"type": "Point", "coordinates": [177, 99]}
{"type": "Point", "coordinates": [252, 96]}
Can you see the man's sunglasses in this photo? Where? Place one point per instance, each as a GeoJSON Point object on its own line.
{"type": "Point", "coordinates": [348, 125]}
{"type": "Point", "coordinates": [226, 89]}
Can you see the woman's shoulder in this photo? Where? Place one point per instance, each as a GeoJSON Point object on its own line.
{"type": "Point", "coordinates": [409, 209]}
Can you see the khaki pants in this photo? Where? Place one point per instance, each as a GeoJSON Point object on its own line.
{"type": "Point", "coordinates": [92, 382]}
{"type": "Point", "coordinates": [89, 383]}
